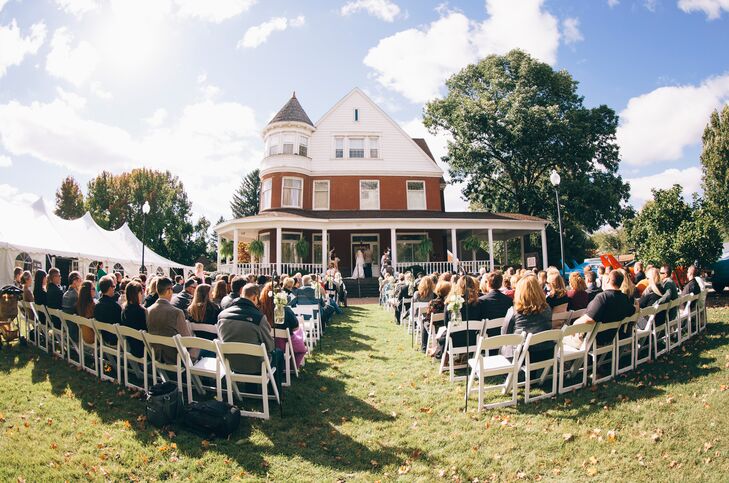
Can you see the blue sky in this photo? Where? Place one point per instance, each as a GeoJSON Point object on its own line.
{"type": "Point", "coordinates": [187, 85]}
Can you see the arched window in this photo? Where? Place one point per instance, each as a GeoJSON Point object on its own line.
{"type": "Point", "coordinates": [142, 269]}
{"type": "Point", "coordinates": [118, 267]}
{"type": "Point", "coordinates": [93, 266]}
{"type": "Point", "coordinates": [24, 261]}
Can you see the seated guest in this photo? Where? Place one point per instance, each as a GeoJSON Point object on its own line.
{"type": "Point", "coordinates": [577, 294]}
{"type": "Point", "coordinates": [85, 308]}
{"type": "Point", "coordinates": [54, 294]}
{"type": "Point", "coordinates": [471, 310]}
{"type": "Point", "coordinates": [435, 306]}
{"type": "Point", "coordinates": [542, 278]}
{"type": "Point", "coordinates": [202, 310]}
{"type": "Point", "coordinates": [220, 290]}
{"type": "Point", "coordinates": [610, 305]}
{"type": "Point", "coordinates": [670, 287]}
{"type": "Point", "coordinates": [628, 287]}
{"type": "Point", "coordinates": [600, 276]}
{"type": "Point", "coordinates": [513, 280]}
{"type": "Point", "coordinates": [237, 285]}
{"type": "Point", "coordinates": [134, 315]}
{"type": "Point", "coordinates": [290, 323]}
{"type": "Point", "coordinates": [493, 303]}
{"type": "Point", "coordinates": [530, 314]}
{"type": "Point", "coordinates": [404, 291]}
{"type": "Point", "coordinates": [17, 277]}
{"type": "Point", "coordinates": [425, 290]}
{"type": "Point", "coordinates": [183, 299]}
{"type": "Point", "coordinates": [261, 281]}
{"type": "Point", "coordinates": [592, 288]}
{"type": "Point", "coordinates": [341, 288]}
{"type": "Point", "coordinates": [152, 296]}
{"type": "Point", "coordinates": [118, 279]}
{"type": "Point", "coordinates": [179, 286]}
{"type": "Point", "coordinates": [200, 272]}
{"type": "Point", "coordinates": [107, 310]}
{"type": "Point", "coordinates": [70, 297]}
{"type": "Point", "coordinates": [506, 285]}
{"type": "Point", "coordinates": [307, 296]}
{"type": "Point", "coordinates": [557, 297]}
{"type": "Point", "coordinates": [40, 295]}
{"type": "Point", "coordinates": [165, 319]}
{"type": "Point", "coordinates": [243, 322]}
{"type": "Point", "coordinates": [638, 273]}
{"type": "Point", "coordinates": [692, 287]}
{"type": "Point", "coordinates": [653, 294]}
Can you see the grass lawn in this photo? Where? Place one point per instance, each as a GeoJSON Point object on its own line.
{"type": "Point", "coordinates": [368, 407]}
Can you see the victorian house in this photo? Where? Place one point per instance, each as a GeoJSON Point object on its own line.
{"type": "Point", "coordinates": [356, 181]}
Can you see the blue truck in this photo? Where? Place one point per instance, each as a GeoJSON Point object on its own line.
{"type": "Point", "coordinates": [720, 277]}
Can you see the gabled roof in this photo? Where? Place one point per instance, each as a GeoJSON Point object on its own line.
{"type": "Point", "coordinates": [424, 146]}
{"type": "Point", "coordinates": [292, 111]}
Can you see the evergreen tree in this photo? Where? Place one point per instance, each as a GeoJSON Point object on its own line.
{"type": "Point", "coordinates": [69, 200]}
{"type": "Point", "coordinates": [715, 165]}
{"type": "Point", "coordinates": [246, 199]}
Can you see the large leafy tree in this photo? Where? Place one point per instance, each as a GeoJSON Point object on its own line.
{"type": "Point", "coordinates": [246, 198]}
{"type": "Point", "coordinates": [69, 200]}
{"type": "Point", "coordinates": [670, 230]}
{"type": "Point", "coordinates": [715, 165]}
{"type": "Point", "coordinates": [512, 119]}
{"type": "Point", "coordinates": [117, 199]}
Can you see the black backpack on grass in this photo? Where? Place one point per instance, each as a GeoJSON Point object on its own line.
{"type": "Point", "coordinates": [211, 418]}
{"type": "Point", "coordinates": [164, 404]}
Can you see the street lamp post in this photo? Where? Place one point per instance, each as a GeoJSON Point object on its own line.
{"type": "Point", "coordinates": [555, 179]}
{"type": "Point", "coordinates": [145, 212]}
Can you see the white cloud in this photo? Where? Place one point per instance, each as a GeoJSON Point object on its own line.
{"type": "Point", "coordinates": [76, 65]}
{"type": "Point", "coordinates": [640, 187]}
{"type": "Point", "coordinates": [416, 62]}
{"type": "Point", "coordinates": [5, 162]}
{"type": "Point", "coordinates": [650, 5]}
{"type": "Point", "coordinates": [97, 90]}
{"type": "Point", "coordinates": [613, 3]}
{"type": "Point", "coordinates": [213, 10]}
{"type": "Point", "coordinates": [77, 8]}
{"type": "Point", "coordinates": [14, 196]}
{"type": "Point", "coordinates": [2, 4]}
{"type": "Point", "coordinates": [258, 34]}
{"type": "Point", "coordinates": [158, 117]}
{"type": "Point", "coordinates": [571, 31]}
{"type": "Point", "coordinates": [659, 125]}
{"type": "Point", "coordinates": [14, 47]}
{"type": "Point", "coordinates": [712, 8]}
{"type": "Point", "coordinates": [209, 91]}
{"type": "Point", "coordinates": [382, 9]}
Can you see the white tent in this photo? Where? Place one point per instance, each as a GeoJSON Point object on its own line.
{"type": "Point", "coordinates": [32, 232]}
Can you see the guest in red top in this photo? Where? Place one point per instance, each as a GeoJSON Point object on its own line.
{"type": "Point", "coordinates": [577, 294]}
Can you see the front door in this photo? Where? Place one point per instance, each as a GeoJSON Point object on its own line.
{"type": "Point", "coordinates": [369, 245]}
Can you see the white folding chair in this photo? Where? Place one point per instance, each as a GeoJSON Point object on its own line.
{"type": "Point", "coordinates": [93, 348]}
{"type": "Point", "coordinates": [311, 325]}
{"type": "Point", "coordinates": [70, 344]}
{"type": "Point", "coordinates": [209, 367]}
{"type": "Point", "coordinates": [154, 344]}
{"type": "Point", "coordinates": [289, 356]}
{"type": "Point", "coordinates": [404, 311]}
{"type": "Point", "coordinates": [41, 328]}
{"type": "Point", "coordinates": [576, 314]}
{"type": "Point", "coordinates": [55, 334]}
{"type": "Point", "coordinates": [690, 315]}
{"type": "Point", "coordinates": [600, 352]}
{"type": "Point", "coordinates": [575, 356]}
{"type": "Point", "coordinates": [673, 324]}
{"type": "Point", "coordinates": [643, 338]}
{"type": "Point", "coordinates": [659, 333]}
{"type": "Point", "coordinates": [483, 366]}
{"type": "Point", "coordinates": [27, 322]}
{"type": "Point", "coordinates": [197, 328]}
{"type": "Point", "coordinates": [561, 319]}
{"type": "Point", "coordinates": [125, 334]}
{"type": "Point", "coordinates": [266, 375]}
{"type": "Point", "coordinates": [416, 317]}
{"type": "Point", "coordinates": [452, 350]}
{"type": "Point", "coordinates": [108, 342]}
{"type": "Point", "coordinates": [625, 344]}
{"type": "Point", "coordinates": [435, 317]}
{"type": "Point", "coordinates": [701, 309]}
{"type": "Point", "coordinates": [59, 334]}
{"type": "Point", "coordinates": [547, 366]}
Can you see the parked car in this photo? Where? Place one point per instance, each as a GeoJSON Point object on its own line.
{"type": "Point", "coordinates": [720, 278]}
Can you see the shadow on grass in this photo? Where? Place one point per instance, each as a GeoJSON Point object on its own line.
{"type": "Point", "coordinates": [314, 407]}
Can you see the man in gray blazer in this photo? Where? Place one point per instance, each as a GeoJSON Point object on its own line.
{"type": "Point", "coordinates": [165, 319]}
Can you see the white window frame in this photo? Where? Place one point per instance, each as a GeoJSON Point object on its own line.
{"type": "Point", "coordinates": [407, 193]}
{"type": "Point", "coordinates": [266, 204]}
{"type": "Point", "coordinates": [274, 141]}
{"type": "Point", "coordinates": [303, 141]}
{"type": "Point", "coordinates": [283, 187]}
{"type": "Point", "coordinates": [288, 138]}
{"type": "Point", "coordinates": [349, 147]}
{"type": "Point", "coordinates": [378, 193]}
{"type": "Point", "coordinates": [344, 150]}
{"type": "Point", "coordinates": [370, 148]}
{"type": "Point", "coordinates": [313, 194]}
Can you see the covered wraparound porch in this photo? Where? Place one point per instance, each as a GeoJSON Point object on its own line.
{"type": "Point", "coordinates": [374, 232]}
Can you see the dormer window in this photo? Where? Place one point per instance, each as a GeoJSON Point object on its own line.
{"type": "Point", "coordinates": [356, 147]}
{"type": "Point", "coordinates": [303, 146]}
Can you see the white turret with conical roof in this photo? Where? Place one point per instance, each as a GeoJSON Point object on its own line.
{"type": "Point", "coordinates": [289, 131]}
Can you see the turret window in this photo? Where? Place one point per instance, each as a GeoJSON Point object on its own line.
{"type": "Point", "coordinates": [266, 194]}
{"type": "Point", "coordinates": [303, 146]}
{"type": "Point", "coordinates": [291, 192]}
{"type": "Point", "coordinates": [272, 145]}
{"type": "Point", "coordinates": [288, 143]}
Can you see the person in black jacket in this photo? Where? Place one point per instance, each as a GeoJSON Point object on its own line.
{"type": "Point", "coordinates": [134, 315]}
{"type": "Point", "coordinates": [108, 310]}
{"type": "Point", "coordinates": [638, 272]}
{"type": "Point", "coordinates": [183, 299]}
{"type": "Point", "coordinates": [152, 295]}
{"type": "Point", "coordinates": [54, 294]}
{"type": "Point", "coordinates": [236, 286]}
{"type": "Point", "coordinates": [471, 310]}
{"type": "Point", "coordinates": [179, 286]}
{"type": "Point", "coordinates": [692, 287]}
{"type": "Point", "coordinates": [493, 304]}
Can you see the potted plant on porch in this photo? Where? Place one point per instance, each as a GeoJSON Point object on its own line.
{"type": "Point", "coordinates": [255, 248]}
{"type": "Point", "coordinates": [425, 248]}
{"type": "Point", "coordinates": [302, 248]}
{"type": "Point", "coordinates": [472, 243]}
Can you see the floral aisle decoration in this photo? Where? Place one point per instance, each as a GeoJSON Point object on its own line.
{"type": "Point", "coordinates": [280, 300]}
{"type": "Point", "coordinates": [454, 305]}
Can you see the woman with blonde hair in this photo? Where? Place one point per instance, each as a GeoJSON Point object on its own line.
{"type": "Point", "coordinates": [530, 314]}
{"type": "Point", "coordinates": [291, 323]}
{"type": "Point", "coordinates": [577, 294]}
{"type": "Point", "coordinates": [425, 290]}
{"type": "Point", "coordinates": [627, 287]}
{"type": "Point", "coordinates": [152, 294]}
{"type": "Point", "coordinates": [220, 290]}
{"type": "Point", "coordinates": [470, 310]}
{"type": "Point", "coordinates": [653, 294]}
{"type": "Point", "coordinates": [557, 297]}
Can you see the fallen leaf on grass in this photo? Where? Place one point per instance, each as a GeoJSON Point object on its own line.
{"type": "Point", "coordinates": [171, 434]}
{"type": "Point", "coordinates": [127, 424]}
{"type": "Point", "coordinates": [568, 437]}
{"type": "Point", "coordinates": [707, 446]}
{"type": "Point", "coordinates": [403, 470]}
{"type": "Point", "coordinates": [54, 445]}
{"type": "Point", "coordinates": [2, 418]}
{"type": "Point", "coordinates": [591, 471]}
{"type": "Point", "coordinates": [205, 443]}
{"type": "Point", "coordinates": [670, 400]}
{"type": "Point", "coordinates": [323, 389]}
{"type": "Point", "coordinates": [426, 410]}
{"type": "Point", "coordinates": [612, 436]}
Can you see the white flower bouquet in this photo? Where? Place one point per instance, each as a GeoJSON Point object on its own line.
{"type": "Point", "coordinates": [280, 300]}
{"type": "Point", "coordinates": [454, 305]}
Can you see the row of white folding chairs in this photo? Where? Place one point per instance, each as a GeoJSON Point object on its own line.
{"type": "Point", "coordinates": [568, 360]}
{"type": "Point", "coordinates": [120, 355]}
{"type": "Point", "coordinates": [310, 320]}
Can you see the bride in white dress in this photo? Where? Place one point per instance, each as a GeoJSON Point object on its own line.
{"type": "Point", "coordinates": [358, 271]}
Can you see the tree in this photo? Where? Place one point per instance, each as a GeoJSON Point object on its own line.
{"type": "Point", "coordinates": [69, 200]}
{"type": "Point", "coordinates": [512, 119]}
{"type": "Point", "coordinates": [611, 241]}
{"type": "Point", "coordinates": [246, 199]}
{"type": "Point", "coordinates": [715, 166]}
{"type": "Point", "coordinates": [669, 230]}
{"type": "Point", "coordinates": [117, 199]}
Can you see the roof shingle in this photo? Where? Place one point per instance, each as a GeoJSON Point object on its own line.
{"type": "Point", "coordinates": [292, 111]}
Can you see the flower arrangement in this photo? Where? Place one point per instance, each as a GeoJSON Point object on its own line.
{"type": "Point", "coordinates": [317, 288]}
{"type": "Point", "coordinates": [454, 304]}
{"type": "Point", "coordinates": [279, 305]}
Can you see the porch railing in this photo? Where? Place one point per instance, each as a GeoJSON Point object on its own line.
{"type": "Point", "coordinates": [471, 266]}
{"type": "Point", "coordinates": [269, 268]}
{"type": "Point", "coordinates": [292, 268]}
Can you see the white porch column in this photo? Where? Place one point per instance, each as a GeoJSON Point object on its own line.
{"type": "Point", "coordinates": [506, 253]}
{"type": "Point", "coordinates": [279, 249]}
{"type": "Point", "coordinates": [521, 247]}
{"type": "Point", "coordinates": [545, 262]}
{"type": "Point", "coordinates": [454, 249]}
{"type": "Point", "coordinates": [235, 251]}
{"type": "Point", "coordinates": [219, 248]}
{"type": "Point", "coordinates": [393, 247]}
{"type": "Point", "coordinates": [491, 250]}
{"type": "Point", "coordinates": [324, 250]}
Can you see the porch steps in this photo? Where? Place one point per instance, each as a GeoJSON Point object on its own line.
{"type": "Point", "coordinates": [362, 287]}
